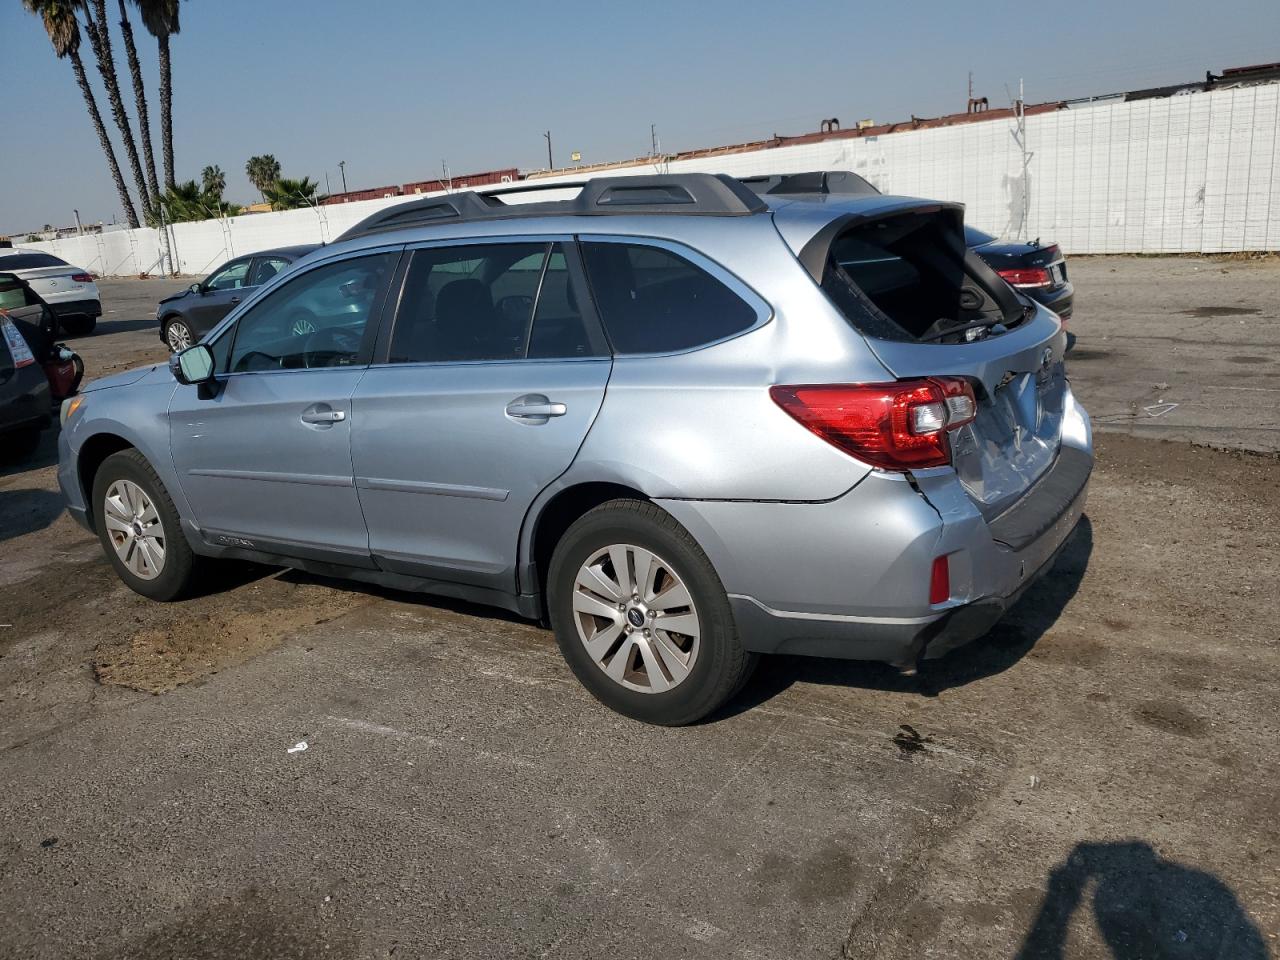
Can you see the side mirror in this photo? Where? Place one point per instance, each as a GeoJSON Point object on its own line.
{"type": "Point", "coordinates": [196, 287]}
{"type": "Point", "coordinates": [193, 365]}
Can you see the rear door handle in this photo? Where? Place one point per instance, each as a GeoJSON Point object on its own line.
{"type": "Point", "coordinates": [535, 408]}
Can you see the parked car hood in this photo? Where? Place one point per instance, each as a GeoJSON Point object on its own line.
{"type": "Point", "coordinates": [126, 377]}
{"type": "Point", "coordinates": [176, 296]}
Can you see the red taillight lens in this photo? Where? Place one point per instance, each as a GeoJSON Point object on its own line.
{"type": "Point", "coordinates": [1027, 277]}
{"type": "Point", "coordinates": [940, 581]}
{"type": "Point", "coordinates": [894, 426]}
{"type": "Point", "coordinates": [82, 277]}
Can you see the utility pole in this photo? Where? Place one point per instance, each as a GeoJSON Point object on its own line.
{"type": "Point", "coordinates": [550, 163]}
{"type": "Point", "coordinates": [79, 227]}
{"type": "Point", "coordinates": [653, 139]}
{"type": "Point", "coordinates": [342, 167]}
{"type": "Point", "coordinates": [326, 182]}
{"type": "Point", "coordinates": [1019, 133]}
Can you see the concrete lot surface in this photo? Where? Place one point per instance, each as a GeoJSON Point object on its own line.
{"type": "Point", "coordinates": [1095, 779]}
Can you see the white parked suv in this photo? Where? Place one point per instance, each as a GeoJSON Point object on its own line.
{"type": "Point", "coordinates": [69, 291]}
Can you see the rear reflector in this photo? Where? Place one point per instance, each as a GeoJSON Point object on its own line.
{"type": "Point", "coordinates": [82, 277]}
{"type": "Point", "coordinates": [1029, 277]}
{"type": "Point", "coordinates": [940, 581]}
{"type": "Point", "coordinates": [894, 426]}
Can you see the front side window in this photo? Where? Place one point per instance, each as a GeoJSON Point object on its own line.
{"type": "Point", "coordinates": [317, 319]}
{"type": "Point", "coordinates": [230, 277]}
{"type": "Point", "coordinates": [655, 301]}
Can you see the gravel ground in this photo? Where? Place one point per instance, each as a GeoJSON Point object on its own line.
{"type": "Point", "coordinates": [1094, 779]}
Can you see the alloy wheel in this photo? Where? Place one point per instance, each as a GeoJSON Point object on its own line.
{"type": "Point", "coordinates": [636, 618]}
{"type": "Point", "coordinates": [178, 336]}
{"type": "Point", "coordinates": [134, 528]}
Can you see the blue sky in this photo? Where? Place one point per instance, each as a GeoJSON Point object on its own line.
{"type": "Point", "coordinates": [394, 87]}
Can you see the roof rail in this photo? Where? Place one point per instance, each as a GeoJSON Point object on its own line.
{"type": "Point", "coordinates": [685, 194]}
{"type": "Point", "coordinates": [843, 182]}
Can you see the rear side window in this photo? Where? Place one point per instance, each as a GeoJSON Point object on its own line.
{"type": "Point", "coordinates": [30, 261]}
{"type": "Point", "coordinates": [471, 302]}
{"type": "Point", "coordinates": [655, 301]}
{"type": "Point", "coordinates": [491, 301]}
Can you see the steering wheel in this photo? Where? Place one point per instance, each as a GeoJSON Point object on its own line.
{"type": "Point", "coordinates": [301, 322]}
{"type": "Point", "coordinates": [323, 347]}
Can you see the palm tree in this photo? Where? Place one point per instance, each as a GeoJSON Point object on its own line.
{"type": "Point", "coordinates": [213, 180]}
{"type": "Point", "coordinates": [140, 101]}
{"type": "Point", "coordinates": [60, 23]}
{"type": "Point", "coordinates": [95, 24]}
{"type": "Point", "coordinates": [262, 172]}
{"type": "Point", "coordinates": [160, 17]}
{"type": "Point", "coordinates": [187, 201]}
{"type": "Point", "coordinates": [286, 194]}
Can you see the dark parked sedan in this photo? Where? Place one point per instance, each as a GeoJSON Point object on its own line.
{"type": "Point", "coordinates": [1038, 270]}
{"type": "Point", "coordinates": [188, 316]}
{"type": "Point", "coordinates": [24, 388]}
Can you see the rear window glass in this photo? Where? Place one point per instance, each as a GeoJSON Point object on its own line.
{"type": "Point", "coordinates": [905, 278]}
{"type": "Point", "coordinates": [29, 261]}
{"type": "Point", "coordinates": [975, 237]}
{"type": "Point", "coordinates": [654, 301]}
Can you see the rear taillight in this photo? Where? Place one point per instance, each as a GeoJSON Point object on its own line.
{"type": "Point", "coordinates": [82, 277]}
{"type": "Point", "coordinates": [1026, 277]}
{"type": "Point", "coordinates": [893, 426]}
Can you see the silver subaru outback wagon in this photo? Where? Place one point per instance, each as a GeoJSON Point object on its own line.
{"type": "Point", "coordinates": [684, 423]}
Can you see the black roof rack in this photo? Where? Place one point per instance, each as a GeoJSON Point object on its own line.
{"type": "Point", "coordinates": [686, 194]}
{"type": "Point", "coordinates": [843, 182]}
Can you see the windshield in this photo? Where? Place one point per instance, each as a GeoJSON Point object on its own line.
{"type": "Point", "coordinates": [29, 261]}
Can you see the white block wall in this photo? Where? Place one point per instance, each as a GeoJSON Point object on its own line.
{"type": "Point", "coordinates": [1196, 173]}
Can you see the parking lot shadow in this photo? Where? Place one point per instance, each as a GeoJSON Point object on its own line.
{"type": "Point", "coordinates": [25, 511]}
{"type": "Point", "coordinates": [1007, 643]}
{"type": "Point", "coordinates": [1145, 908]}
{"type": "Point", "coordinates": [118, 326]}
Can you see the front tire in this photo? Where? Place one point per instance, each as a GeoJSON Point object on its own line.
{"type": "Point", "coordinates": [139, 529]}
{"type": "Point", "coordinates": [178, 336]}
{"type": "Point", "coordinates": [641, 616]}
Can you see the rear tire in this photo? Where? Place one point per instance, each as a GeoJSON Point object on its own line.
{"type": "Point", "coordinates": [139, 529]}
{"type": "Point", "coordinates": [77, 325]}
{"type": "Point", "coordinates": [609, 627]}
{"type": "Point", "coordinates": [178, 336]}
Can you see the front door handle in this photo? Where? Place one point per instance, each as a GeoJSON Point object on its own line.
{"type": "Point", "coordinates": [235, 299]}
{"type": "Point", "coordinates": [535, 408]}
{"type": "Point", "coordinates": [321, 414]}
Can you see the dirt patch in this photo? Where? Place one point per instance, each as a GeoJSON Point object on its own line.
{"type": "Point", "coordinates": [1220, 311]}
{"type": "Point", "coordinates": [1248, 359]}
{"type": "Point", "coordinates": [160, 658]}
{"type": "Point", "coordinates": [1171, 718]}
{"type": "Point", "coordinates": [1082, 353]}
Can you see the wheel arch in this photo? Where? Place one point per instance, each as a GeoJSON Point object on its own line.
{"type": "Point", "coordinates": [549, 520]}
{"type": "Point", "coordinates": [93, 452]}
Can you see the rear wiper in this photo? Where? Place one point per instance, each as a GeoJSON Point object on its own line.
{"type": "Point", "coordinates": [995, 326]}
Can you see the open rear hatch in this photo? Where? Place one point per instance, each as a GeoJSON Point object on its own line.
{"type": "Point", "coordinates": [929, 307]}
